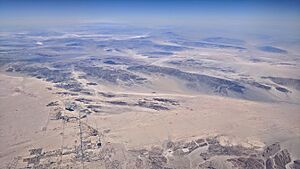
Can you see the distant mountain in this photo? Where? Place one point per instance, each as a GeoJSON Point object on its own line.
{"type": "Point", "coordinates": [272, 49]}
{"type": "Point", "coordinates": [166, 35]}
{"type": "Point", "coordinates": [211, 45]}
{"type": "Point", "coordinates": [224, 40]}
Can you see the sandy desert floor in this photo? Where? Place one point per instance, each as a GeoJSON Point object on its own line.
{"type": "Point", "coordinates": [27, 123]}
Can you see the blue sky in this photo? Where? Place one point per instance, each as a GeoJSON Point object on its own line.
{"type": "Point", "coordinates": [282, 14]}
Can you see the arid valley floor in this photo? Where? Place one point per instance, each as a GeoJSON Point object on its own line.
{"type": "Point", "coordinates": [118, 97]}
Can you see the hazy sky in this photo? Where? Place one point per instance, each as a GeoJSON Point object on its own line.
{"type": "Point", "coordinates": [265, 14]}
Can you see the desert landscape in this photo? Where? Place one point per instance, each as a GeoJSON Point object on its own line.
{"type": "Point", "coordinates": [111, 96]}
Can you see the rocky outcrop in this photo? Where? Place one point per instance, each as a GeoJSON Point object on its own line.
{"type": "Point", "coordinates": [51, 104]}
{"type": "Point", "coordinates": [247, 163]}
{"type": "Point", "coordinates": [271, 150]}
{"type": "Point", "coordinates": [282, 158]}
{"type": "Point", "coordinates": [279, 160]}
{"type": "Point", "coordinates": [71, 106]}
{"type": "Point", "coordinates": [151, 105]}
{"type": "Point", "coordinates": [112, 75]}
{"type": "Point", "coordinates": [290, 82]}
